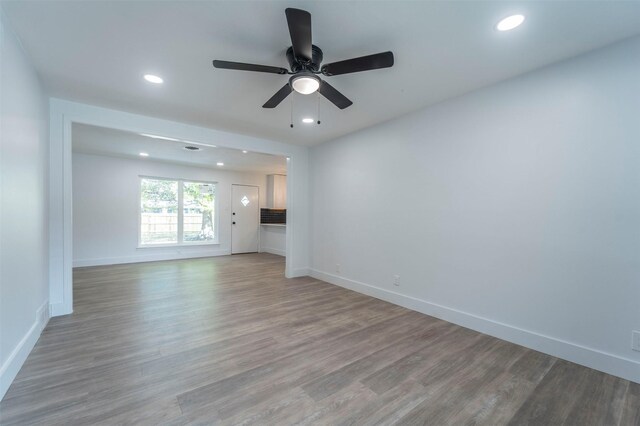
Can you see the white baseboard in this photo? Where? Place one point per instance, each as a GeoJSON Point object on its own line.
{"type": "Point", "coordinates": [273, 251]}
{"type": "Point", "coordinates": [300, 272]}
{"type": "Point", "coordinates": [589, 357]}
{"type": "Point", "coordinates": [150, 257]}
{"type": "Point", "coordinates": [58, 309]}
{"type": "Point", "coordinates": [18, 356]}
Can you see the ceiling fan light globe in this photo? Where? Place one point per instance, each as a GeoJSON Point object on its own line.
{"type": "Point", "coordinates": [306, 84]}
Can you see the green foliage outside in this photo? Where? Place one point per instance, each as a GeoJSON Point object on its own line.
{"type": "Point", "coordinates": [199, 198]}
{"type": "Point", "coordinates": [159, 195]}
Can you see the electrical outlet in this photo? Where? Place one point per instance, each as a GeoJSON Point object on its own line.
{"type": "Point", "coordinates": [635, 340]}
{"type": "Point", "coordinates": [396, 280]}
{"type": "Point", "coordinates": [337, 268]}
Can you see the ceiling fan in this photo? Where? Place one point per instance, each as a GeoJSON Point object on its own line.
{"type": "Point", "coordinates": [304, 60]}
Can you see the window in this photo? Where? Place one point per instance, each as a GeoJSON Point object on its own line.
{"type": "Point", "coordinates": [158, 211]}
{"type": "Point", "coordinates": [199, 209]}
{"type": "Point", "coordinates": [174, 212]}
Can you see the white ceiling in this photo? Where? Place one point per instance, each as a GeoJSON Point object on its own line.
{"type": "Point", "coordinates": [102, 141]}
{"type": "Point", "coordinates": [97, 51]}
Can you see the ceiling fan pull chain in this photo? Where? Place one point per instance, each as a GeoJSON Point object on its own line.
{"type": "Point", "coordinates": [318, 103]}
{"type": "Point", "coordinates": [292, 111]}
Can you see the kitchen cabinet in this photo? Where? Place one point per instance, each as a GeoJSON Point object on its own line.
{"type": "Point", "coordinates": [276, 191]}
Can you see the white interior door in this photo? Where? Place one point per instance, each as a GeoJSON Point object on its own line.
{"type": "Point", "coordinates": [245, 219]}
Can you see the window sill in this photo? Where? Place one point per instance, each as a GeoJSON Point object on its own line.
{"type": "Point", "coordinates": [182, 245]}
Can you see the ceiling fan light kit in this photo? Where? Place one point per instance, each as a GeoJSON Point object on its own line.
{"type": "Point", "coordinates": [305, 63]}
{"type": "Point", "coordinates": [305, 83]}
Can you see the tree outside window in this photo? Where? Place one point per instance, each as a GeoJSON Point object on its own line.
{"type": "Point", "coordinates": [159, 211]}
{"type": "Point", "coordinates": [198, 211]}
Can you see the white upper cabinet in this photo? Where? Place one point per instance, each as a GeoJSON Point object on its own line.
{"type": "Point", "coordinates": [277, 191]}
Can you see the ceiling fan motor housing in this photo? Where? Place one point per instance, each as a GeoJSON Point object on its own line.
{"type": "Point", "coordinates": [313, 66]}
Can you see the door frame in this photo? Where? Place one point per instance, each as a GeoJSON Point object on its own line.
{"type": "Point", "coordinates": [63, 114]}
{"type": "Point", "coordinates": [258, 230]}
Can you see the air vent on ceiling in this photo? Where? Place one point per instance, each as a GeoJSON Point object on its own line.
{"type": "Point", "coordinates": [191, 148]}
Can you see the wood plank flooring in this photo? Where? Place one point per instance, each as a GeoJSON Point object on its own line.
{"type": "Point", "coordinates": [229, 340]}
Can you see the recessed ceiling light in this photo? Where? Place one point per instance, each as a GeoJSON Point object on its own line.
{"type": "Point", "coordinates": [244, 151]}
{"type": "Point", "coordinates": [153, 79]}
{"type": "Point", "coordinates": [219, 164]}
{"type": "Point", "coordinates": [159, 137]}
{"type": "Point", "coordinates": [144, 154]}
{"type": "Point", "coordinates": [307, 120]}
{"type": "Point", "coordinates": [510, 22]}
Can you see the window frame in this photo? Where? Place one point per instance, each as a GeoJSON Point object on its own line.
{"type": "Point", "coordinates": [180, 236]}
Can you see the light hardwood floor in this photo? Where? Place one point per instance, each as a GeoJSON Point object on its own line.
{"type": "Point", "coordinates": [229, 340]}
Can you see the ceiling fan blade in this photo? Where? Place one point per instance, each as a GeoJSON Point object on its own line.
{"type": "Point", "coordinates": [329, 92]}
{"type": "Point", "coordinates": [248, 67]}
{"type": "Point", "coordinates": [364, 63]}
{"type": "Point", "coordinates": [299, 22]}
{"type": "Point", "coordinates": [278, 97]}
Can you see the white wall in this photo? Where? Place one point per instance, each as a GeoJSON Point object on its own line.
{"type": "Point", "coordinates": [105, 208]}
{"type": "Point", "coordinates": [23, 208]}
{"type": "Point", "coordinates": [514, 210]}
{"type": "Point", "coordinates": [273, 239]}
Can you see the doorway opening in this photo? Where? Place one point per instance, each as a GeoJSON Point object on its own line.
{"type": "Point", "coordinates": [141, 197]}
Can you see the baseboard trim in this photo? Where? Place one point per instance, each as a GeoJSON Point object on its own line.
{"type": "Point", "coordinates": [301, 272]}
{"type": "Point", "coordinates": [155, 257]}
{"type": "Point", "coordinates": [273, 251]}
{"type": "Point", "coordinates": [18, 356]}
{"type": "Point", "coordinates": [58, 309]}
{"type": "Point", "coordinates": [589, 357]}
